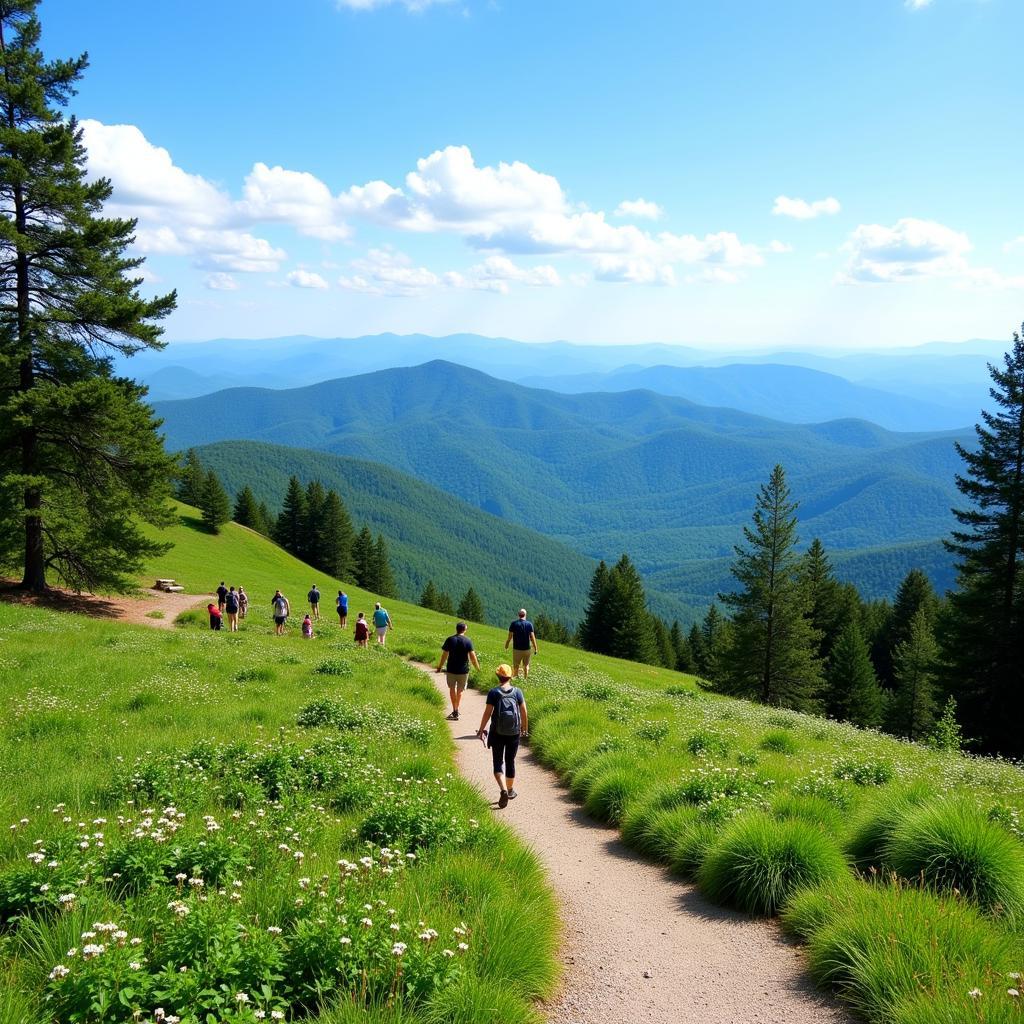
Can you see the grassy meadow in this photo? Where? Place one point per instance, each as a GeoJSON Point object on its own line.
{"type": "Point", "coordinates": [162, 770]}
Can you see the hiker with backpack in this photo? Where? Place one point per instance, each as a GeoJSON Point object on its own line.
{"type": "Point", "coordinates": [506, 711]}
{"type": "Point", "coordinates": [231, 606]}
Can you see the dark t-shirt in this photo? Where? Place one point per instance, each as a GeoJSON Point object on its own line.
{"type": "Point", "coordinates": [521, 630]}
{"type": "Point", "coordinates": [222, 592]}
{"type": "Point", "coordinates": [314, 596]}
{"type": "Point", "coordinates": [458, 648]}
{"type": "Point", "coordinates": [231, 602]}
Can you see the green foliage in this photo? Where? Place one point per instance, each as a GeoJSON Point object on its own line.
{"type": "Point", "coordinates": [953, 846]}
{"type": "Point", "coordinates": [912, 710]}
{"type": "Point", "coordinates": [215, 505]}
{"type": "Point", "coordinates": [290, 528]}
{"type": "Point", "coordinates": [947, 734]}
{"type": "Point", "coordinates": [246, 511]}
{"type": "Point", "coordinates": [874, 826]}
{"type": "Point", "coordinates": [853, 691]}
{"type": "Point", "coordinates": [758, 863]}
{"type": "Point", "coordinates": [192, 480]}
{"type": "Point", "coordinates": [471, 608]}
{"type": "Point", "coordinates": [779, 741]}
{"type": "Point", "coordinates": [617, 620]}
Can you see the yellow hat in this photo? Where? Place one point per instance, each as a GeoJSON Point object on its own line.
{"type": "Point", "coordinates": [503, 672]}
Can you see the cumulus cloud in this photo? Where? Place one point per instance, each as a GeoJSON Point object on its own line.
{"type": "Point", "coordinates": [803, 210]}
{"type": "Point", "coordinates": [305, 279]}
{"type": "Point", "coordinates": [496, 273]}
{"type": "Point", "coordinates": [909, 250]}
{"type": "Point", "coordinates": [293, 197]}
{"type": "Point", "coordinates": [639, 208]}
{"type": "Point", "coordinates": [389, 273]}
{"type": "Point", "coordinates": [221, 282]}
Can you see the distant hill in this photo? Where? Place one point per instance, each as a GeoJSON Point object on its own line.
{"type": "Point", "coordinates": [660, 477]}
{"type": "Point", "coordinates": [430, 534]}
{"type": "Point", "coordinates": [793, 394]}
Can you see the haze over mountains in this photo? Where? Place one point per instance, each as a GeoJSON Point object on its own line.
{"type": "Point", "coordinates": [665, 479]}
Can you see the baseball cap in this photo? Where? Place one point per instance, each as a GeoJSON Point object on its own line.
{"type": "Point", "coordinates": [503, 671]}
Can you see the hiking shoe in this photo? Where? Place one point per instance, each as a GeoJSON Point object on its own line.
{"type": "Point", "coordinates": [512, 794]}
{"type": "Point", "coordinates": [453, 717]}
{"type": "Point", "coordinates": [503, 799]}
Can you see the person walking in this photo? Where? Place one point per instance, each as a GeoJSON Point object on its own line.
{"type": "Point", "coordinates": [307, 628]}
{"type": "Point", "coordinates": [282, 609]}
{"type": "Point", "coordinates": [457, 651]}
{"type": "Point", "coordinates": [524, 644]}
{"type": "Point", "coordinates": [243, 603]}
{"type": "Point", "coordinates": [342, 603]}
{"type": "Point", "coordinates": [222, 593]}
{"type": "Point", "coordinates": [231, 609]}
{"type": "Point", "coordinates": [214, 612]}
{"type": "Point", "coordinates": [314, 601]}
{"type": "Point", "coordinates": [362, 632]}
{"type": "Point", "coordinates": [506, 711]}
{"type": "Point", "coordinates": [382, 623]}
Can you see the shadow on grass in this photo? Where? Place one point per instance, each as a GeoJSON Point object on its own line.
{"type": "Point", "coordinates": [60, 600]}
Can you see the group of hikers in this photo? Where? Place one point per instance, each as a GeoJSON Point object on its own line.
{"type": "Point", "coordinates": [233, 603]}
{"type": "Point", "coordinates": [505, 710]}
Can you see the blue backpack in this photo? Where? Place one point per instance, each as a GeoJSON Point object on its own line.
{"type": "Point", "coordinates": [506, 713]}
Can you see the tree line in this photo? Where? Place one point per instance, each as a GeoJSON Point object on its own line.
{"type": "Point", "coordinates": [313, 524]}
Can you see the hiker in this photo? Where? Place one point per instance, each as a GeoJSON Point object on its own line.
{"type": "Point", "coordinates": [342, 603]}
{"type": "Point", "coordinates": [458, 652]}
{"type": "Point", "coordinates": [243, 603]}
{"type": "Point", "coordinates": [506, 710]}
{"type": "Point", "coordinates": [231, 608]}
{"type": "Point", "coordinates": [362, 630]}
{"type": "Point", "coordinates": [307, 628]}
{"type": "Point", "coordinates": [314, 601]}
{"type": "Point", "coordinates": [282, 609]}
{"type": "Point", "coordinates": [382, 623]}
{"type": "Point", "coordinates": [214, 613]}
{"type": "Point", "coordinates": [522, 638]}
{"type": "Point", "coordinates": [222, 593]}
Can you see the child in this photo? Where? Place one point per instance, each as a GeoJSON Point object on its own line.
{"type": "Point", "coordinates": [362, 630]}
{"type": "Point", "coordinates": [214, 615]}
{"type": "Point", "coordinates": [243, 603]}
{"type": "Point", "coordinates": [307, 628]}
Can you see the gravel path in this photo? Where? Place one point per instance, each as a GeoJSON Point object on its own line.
{"type": "Point", "coordinates": [639, 945]}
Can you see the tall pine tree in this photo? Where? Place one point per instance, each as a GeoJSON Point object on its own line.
{"type": "Point", "coordinates": [984, 631]}
{"type": "Point", "coordinates": [191, 480]}
{"type": "Point", "coordinates": [336, 538]}
{"type": "Point", "coordinates": [429, 598]}
{"type": "Point", "coordinates": [772, 655]}
{"type": "Point", "coordinates": [595, 629]}
{"type": "Point", "coordinates": [853, 693]}
{"type": "Point", "coordinates": [386, 585]}
{"type": "Point", "coordinates": [215, 506]}
{"type": "Point", "coordinates": [471, 608]}
{"type": "Point", "coordinates": [289, 531]}
{"type": "Point", "coordinates": [363, 553]}
{"type": "Point", "coordinates": [246, 511]}
{"type": "Point", "coordinates": [681, 647]}
{"type": "Point", "coordinates": [314, 549]}
{"type": "Point", "coordinates": [629, 622]}
{"type": "Point", "coordinates": [81, 460]}
{"type": "Point", "coordinates": [912, 709]}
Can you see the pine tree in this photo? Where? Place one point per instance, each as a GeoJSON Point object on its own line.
{"type": "Point", "coordinates": [445, 605]}
{"type": "Point", "coordinates": [696, 640]}
{"type": "Point", "coordinates": [552, 630]}
{"type": "Point", "coordinates": [595, 629]}
{"type": "Point", "coordinates": [191, 480]}
{"type": "Point", "coordinates": [429, 597]}
{"type": "Point", "coordinates": [363, 558]}
{"type": "Point", "coordinates": [80, 454]}
{"type": "Point", "coordinates": [471, 608]}
{"type": "Point", "coordinates": [984, 631]}
{"type": "Point", "coordinates": [336, 538]}
{"type": "Point", "coordinates": [912, 711]}
{"type": "Point", "coordinates": [772, 654]}
{"type": "Point", "coordinates": [681, 647]}
{"type": "Point", "coordinates": [947, 734]}
{"type": "Point", "coordinates": [215, 506]}
{"type": "Point", "coordinates": [246, 511]}
{"type": "Point", "coordinates": [628, 618]}
{"type": "Point", "coordinates": [386, 586]}
{"type": "Point", "coordinates": [265, 521]}
{"type": "Point", "coordinates": [714, 637]}
{"type": "Point", "coordinates": [853, 692]}
{"type": "Point", "coordinates": [314, 549]}
{"type": "Point", "coordinates": [663, 642]}
{"type": "Point", "coordinates": [291, 523]}
{"type": "Point", "coordinates": [830, 604]}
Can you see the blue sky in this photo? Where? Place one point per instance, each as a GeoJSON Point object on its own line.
{"type": "Point", "coordinates": [733, 174]}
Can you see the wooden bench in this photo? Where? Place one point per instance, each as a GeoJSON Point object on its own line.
{"type": "Point", "coordinates": [168, 586]}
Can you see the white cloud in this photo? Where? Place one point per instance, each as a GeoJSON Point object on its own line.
{"type": "Point", "coordinates": [305, 279]}
{"type": "Point", "coordinates": [632, 270]}
{"type": "Point", "coordinates": [221, 282]}
{"type": "Point", "coordinates": [803, 210]}
{"type": "Point", "coordinates": [496, 273]}
{"type": "Point", "coordinates": [388, 273]}
{"type": "Point", "coordinates": [777, 247]}
{"type": "Point", "coordinates": [293, 197]}
{"type": "Point", "coordinates": [917, 5]}
{"type": "Point", "coordinates": [232, 250]}
{"type": "Point", "coordinates": [1014, 243]}
{"type": "Point", "coordinates": [372, 5]}
{"type": "Point", "coordinates": [910, 249]}
{"type": "Point", "coordinates": [639, 208]}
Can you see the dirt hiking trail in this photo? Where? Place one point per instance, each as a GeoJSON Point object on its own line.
{"type": "Point", "coordinates": [639, 945]}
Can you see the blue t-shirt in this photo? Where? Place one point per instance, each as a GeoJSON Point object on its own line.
{"type": "Point", "coordinates": [381, 618]}
{"type": "Point", "coordinates": [521, 630]}
{"type": "Point", "coordinates": [343, 602]}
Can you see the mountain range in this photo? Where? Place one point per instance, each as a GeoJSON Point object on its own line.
{"type": "Point", "coordinates": [667, 480]}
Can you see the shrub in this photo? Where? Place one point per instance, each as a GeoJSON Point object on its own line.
{"type": "Point", "coordinates": [654, 830]}
{"type": "Point", "coordinates": [874, 826]}
{"type": "Point", "coordinates": [811, 908]}
{"type": "Point", "coordinates": [747, 758]}
{"type": "Point", "coordinates": [613, 791]}
{"type": "Point", "coordinates": [333, 667]}
{"type": "Point", "coordinates": [778, 741]}
{"type": "Point", "coordinates": [705, 742]}
{"type": "Point", "coordinates": [581, 780]}
{"type": "Point", "coordinates": [809, 808]}
{"type": "Point", "coordinates": [690, 846]}
{"type": "Point", "coordinates": [952, 845]}
{"type": "Point", "coordinates": [654, 732]}
{"type": "Point", "coordinates": [259, 674]}
{"type": "Point", "coordinates": [758, 863]}
{"type": "Point", "coordinates": [865, 773]}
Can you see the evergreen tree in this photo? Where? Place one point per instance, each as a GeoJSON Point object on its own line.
{"type": "Point", "coordinates": [681, 648]}
{"type": "Point", "coordinates": [853, 691]}
{"type": "Point", "coordinates": [629, 620]}
{"type": "Point", "coordinates": [216, 506]}
{"type": "Point", "coordinates": [246, 512]}
{"type": "Point", "coordinates": [831, 605]}
{"type": "Point", "coordinates": [663, 642]}
{"type": "Point", "coordinates": [714, 636]}
{"type": "Point", "coordinates": [191, 480]}
{"type": "Point", "coordinates": [363, 558]}
{"type": "Point", "coordinates": [336, 538]}
{"type": "Point", "coordinates": [696, 641]}
{"type": "Point", "coordinates": [552, 630]}
{"type": "Point", "coordinates": [314, 550]}
{"type": "Point", "coordinates": [595, 629]}
{"type": "Point", "coordinates": [984, 632]}
{"type": "Point", "coordinates": [445, 605]}
{"type": "Point", "coordinates": [947, 734]}
{"type": "Point", "coordinates": [265, 522]}
{"type": "Point", "coordinates": [429, 597]}
{"type": "Point", "coordinates": [912, 710]}
{"type": "Point", "coordinates": [471, 608]}
{"type": "Point", "coordinates": [772, 654]}
{"type": "Point", "coordinates": [386, 586]}
{"type": "Point", "coordinates": [81, 459]}
{"type": "Point", "coordinates": [291, 523]}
